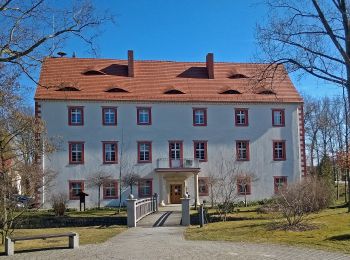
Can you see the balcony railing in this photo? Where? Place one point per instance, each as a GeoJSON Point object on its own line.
{"type": "Point", "coordinates": [165, 163]}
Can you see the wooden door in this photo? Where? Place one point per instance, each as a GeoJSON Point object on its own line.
{"type": "Point", "coordinates": [175, 193]}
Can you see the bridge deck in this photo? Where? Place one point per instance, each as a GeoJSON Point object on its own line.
{"type": "Point", "coordinates": [168, 216]}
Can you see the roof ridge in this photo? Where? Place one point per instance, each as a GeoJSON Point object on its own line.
{"type": "Point", "coordinates": [165, 61]}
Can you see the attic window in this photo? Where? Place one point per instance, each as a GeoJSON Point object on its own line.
{"type": "Point", "coordinates": [230, 91]}
{"type": "Point", "coordinates": [116, 90]}
{"type": "Point", "coordinates": [68, 89]}
{"type": "Point", "coordinates": [238, 76]}
{"type": "Point", "coordinates": [93, 71]}
{"type": "Point", "coordinates": [266, 92]}
{"type": "Point", "coordinates": [173, 91]}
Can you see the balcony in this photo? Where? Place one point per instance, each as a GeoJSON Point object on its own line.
{"type": "Point", "coordinates": [171, 165]}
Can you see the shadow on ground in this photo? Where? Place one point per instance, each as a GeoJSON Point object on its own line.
{"type": "Point", "coordinates": [339, 237]}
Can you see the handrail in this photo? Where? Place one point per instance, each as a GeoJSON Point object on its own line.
{"type": "Point", "coordinates": [139, 208]}
{"type": "Point", "coordinates": [178, 163]}
{"type": "Point", "coordinates": [144, 207]}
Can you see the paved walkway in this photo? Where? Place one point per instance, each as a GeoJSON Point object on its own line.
{"type": "Point", "coordinates": [167, 242]}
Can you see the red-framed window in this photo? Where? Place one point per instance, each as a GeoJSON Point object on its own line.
{"type": "Point", "coordinates": [244, 186]}
{"type": "Point", "coordinates": [76, 152]}
{"type": "Point", "coordinates": [75, 187]}
{"type": "Point", "coordinates": [145, 188]}
{"type": "Point", "coordinates": [241, 117]}
{"type": "Point", "coordinates": [110, 152]}
{"type": "Point", "coordinates": [203, 186]}
{"type": "Point", "coordinates": [279, 150]}
{"type": "Point", "coordinates": [144, 151]}
{"type": "Point", "coordinates": [279, 183]}
{"type": "Point", "coordinates": [144, 116]}
{"type": "Point", "coordinates": [109, 115]}
{"type": "Point", "coordinates": [110, 189]}
{"type": "Point", "coordinates": [175, 154]}
{"type": "Point", "coordinates": [199, 116]}
{"type": "Point", "coordinates": [242, 150]}
{"type": "Point", "coordinates": [75, 116]}
{"type": "Point", "coordinates": [200, 150]}
{"type": "Point", "coordinates": [278, 118]}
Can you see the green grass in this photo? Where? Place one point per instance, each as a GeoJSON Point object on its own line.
{"type": "Point", "coordinates": [87, 235]}
{"type": "Point", "coordinates": [333, 231]}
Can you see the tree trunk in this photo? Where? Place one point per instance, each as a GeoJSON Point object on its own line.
{"type": "Point", "coordinates": [212, 196]}
{"type": "Point", "coordinates": [3, 197]}
{"type": "Point", "coordinates": [347, 135]}
{"type": "Point", "coordinates": [99, 197]}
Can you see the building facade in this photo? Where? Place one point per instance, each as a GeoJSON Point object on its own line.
{"type": "Point", "coordinates": [172, 123]}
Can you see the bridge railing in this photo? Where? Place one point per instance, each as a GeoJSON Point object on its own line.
{"type": "Point", "coordinates": [140, 208]}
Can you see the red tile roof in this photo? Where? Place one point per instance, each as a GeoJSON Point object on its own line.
{"type": "Point", "coordinates": [153, 78]}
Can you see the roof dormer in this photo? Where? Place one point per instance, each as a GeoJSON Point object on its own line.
{"type": "Point", "coordinates": [173, 91]}
{"type": "Point", "coordinates": [230, 92]}
{"type": "Point", "coordinates": [116, 90]}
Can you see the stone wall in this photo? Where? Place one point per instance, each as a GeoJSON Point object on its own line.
{"type": "Point", "coordinates": [58, 222]}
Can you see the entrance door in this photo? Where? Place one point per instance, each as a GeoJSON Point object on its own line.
{"type": "Point", "coordinates": [175, 193]}
{"type": "Point", "coordinates": [175, 154]}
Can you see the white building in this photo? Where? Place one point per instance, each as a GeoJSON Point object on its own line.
{"type": "Point", "coordinates": [172, 121]}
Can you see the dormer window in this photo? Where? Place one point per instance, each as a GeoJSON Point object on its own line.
{"type": "Point", "coordinates": [173, 92]}
{"type": "Point", "coordinates": [238, 76]}
{"type": "Point", "coordinates": [264, 91]}
{"type": "Point", "coordinates": [116, 90]}
{"type": "Point", "coordinates": [68, 89]}
{"type": "Point", "coordinates": [230, 92]}
{"type": "Point", "coordinates": [267, 92]}
{"type": "Point", "coordinates": [93, 71]}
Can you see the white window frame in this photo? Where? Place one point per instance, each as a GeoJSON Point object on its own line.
{"type": "Point", "coordinates": [75, 114]}
{"type": "Point", "coordinates": [109, 151]}
{"type": "Point", "coordinates": [109, 114]}
{"type": "Point", "coordinates": [76, 151]}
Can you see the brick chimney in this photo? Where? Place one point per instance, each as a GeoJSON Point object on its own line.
{"type": "Point", "coordinates": [210, 65]}
{"type": "Point", "coordinates": [131, 66]}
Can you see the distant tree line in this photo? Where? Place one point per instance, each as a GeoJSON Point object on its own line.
{"type": "Point", "coordinates": [326, 137]}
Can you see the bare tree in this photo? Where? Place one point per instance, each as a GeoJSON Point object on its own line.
{"type": "Point", "coordinates": [244, 181]}
{"type": "Point", "coordinates": [34, 29]}
{"type": "Point", "coordinates": [312, 37]}
{"type": "Point", "coordinates": [224, 178]}
{"type": "Point", "coordinates": [19, 163]}
{"type": "Point", "coordinates": [130, 179]}
{"type": "Point", "coordinates": [20, 153]}
{"type": "Point", "coordinates": [98, 179]}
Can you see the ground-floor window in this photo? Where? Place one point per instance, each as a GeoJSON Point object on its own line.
{"type": "Point", "coordinates": [110, 190]}
{"type": "Point", "coordinates": [244, 185]}
{"type": "Point", "coordinates": [280, 182]}
{"type": "Point", "coordinates": [203, 186]}
{"type": "Point", "coordinates": [145, 187]}
{"type": "Point", "coordinates": [75, 187]}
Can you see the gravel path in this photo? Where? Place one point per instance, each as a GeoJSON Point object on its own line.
{"type": "Point", "coordinates": [167, 242]}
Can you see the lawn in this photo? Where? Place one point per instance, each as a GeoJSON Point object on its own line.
{"type": "Point", "coordinates": [88, 235]}
{"type": "Point", "coordinates": [333, 231]}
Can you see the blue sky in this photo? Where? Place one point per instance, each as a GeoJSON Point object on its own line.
{"type": "Point", "coordinates": [184, 30]}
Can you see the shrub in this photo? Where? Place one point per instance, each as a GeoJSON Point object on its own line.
{"type": "Point", "coordinates": [59, 203]}
{"type": "Point", "coordinates": [300, 199]}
